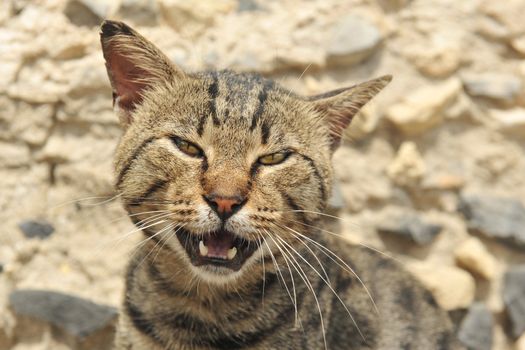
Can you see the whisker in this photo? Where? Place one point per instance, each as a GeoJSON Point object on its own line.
{"type": "Point", "coordinates": [278, 269]}
{"type": "Point", "coordinates": [316, 213]}
{"type": "Point", "coordinates": [141, 225]}
{"type": "Point", "coordinates": [128, 216]}
{"type": "Point", "coordinates": [260, 237]}
{"type": "Point", "coordinates": [327, 283]}
{"type": "Point", "coordinates": [143, 242]}
{"type": "Point", "coordinates": [308, 284]}
{"type": "Point", "coordinates": [299, 79]}
{"type": "Point", "coordinates": [327, 251]}
{"type": "Point", "coordinates": [294, 301]}
{"type": "Point", "coordinates": [105, 200]}
{"type": "Point", "coordinates": [170, 236]}
{"type": "Point", "coordinates": [312, 252]}
{"type": "Point", "coordinates": [338, 235]}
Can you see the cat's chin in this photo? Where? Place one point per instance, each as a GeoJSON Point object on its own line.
{"type": "Point", "coordinates": [217, 253]}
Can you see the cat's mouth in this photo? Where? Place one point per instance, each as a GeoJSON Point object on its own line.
{"type": "Point", "coordinates": [219, 248]}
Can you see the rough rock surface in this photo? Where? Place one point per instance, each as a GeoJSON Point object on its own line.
{"type": "Point", "coordinates": [408, 167]}
{"type": "Point", "coordinates": [429, 139]}
{"type": "Point", "coordinates": [514, 298]}
{"type": "Point", "coordinates": [475, 331]}
{"type": "Point", "coordinates": [474, 257]}
{"type": "Point", "coordinates": [86, 12]}
{"type": "Point", "coordinates": [353, 39]}
{"type": "Point", "coordinates": [502, 88]}
{"type": "Point", "coordinates": [139, 12]}
{"type": "Point", "coordinates": [453, 288]}
{"type": "Point", "coordinates": [77, 322]}
{"type": "Point", "coordinates": [36, 228]}
{"type": "Point", "coordinates": [510, 121]}
{"type": "Point", "coordinates": [495, 217]}
{"type": "Point", "coordinates": [424, 108]}
{"type": "Point", "coordinates": [520, 343]}
{"type": "Point", "coordinates": [410, 226]}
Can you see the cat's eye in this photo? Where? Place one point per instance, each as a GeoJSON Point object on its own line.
{"type": "Point", "coordinates": [188, 147]}
{"type": "Point", "coordinates": [274, 158]}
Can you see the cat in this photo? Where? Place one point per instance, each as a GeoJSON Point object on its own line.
{"type": "Point", "coordinates": [227, 176]}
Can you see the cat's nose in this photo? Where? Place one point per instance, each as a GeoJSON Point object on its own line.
{"type": "Point", "coordinates": [224, 206]}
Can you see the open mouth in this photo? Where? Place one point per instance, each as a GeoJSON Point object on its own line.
{"type": "Point", "coordinates": [219, 248]}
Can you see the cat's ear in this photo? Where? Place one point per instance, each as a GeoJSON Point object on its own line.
{"type": "Point", "coordinates": [134, 65]}
{"type": "Point", "coordinates": [338, 107]}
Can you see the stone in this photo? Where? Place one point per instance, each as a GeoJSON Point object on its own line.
{"type": "Point", "coordinates": [8, 71]}
{"type": "Point", "coordinates": [14, 155]}
{"type": "Point", "coordinates": [30, 123]}
{"type": "Point", "coordinates": [439, 63]}
{"type": "Point", "coordinates": [452, 287]}
{"type": "Point", "coordinates": [87, 148]}
{"type": "Point", "coordinates": [364, 124]}
{"type": "Point", "coordinates": [443, 182]}
{"type": "Point", "coordinates": [474, 257]}
{"type": "Point", "coordinates": [191, 17]}
{"type": "Point", "coordinates": [511, 121]}
{"type": "Point", "coordinates": [409, 225]}
{"type": "Point", "coordinates": [36, 228]}
{"type": "Point", "coordinates": [86, 12]}
{"type": "Point", "coordinates": [475, 331]}
{"type": "Point", "coordinates": [336, 201]}
{"type": "Point", "coordinates": [439, 57]}
{"type": "Point", "coordinates": [425, 108]}
{"type": "Point", "coordinates": [393, 5]}
{"type": "Point", "coordinates": [299, 58]}
{"type": "Point", "coordinates": [5, 338]}
{"type": "Point", "coordinates": [514, 298]}
{"type": "Point", "coordinates": [6, 11]}
{"type": "Point", "coordinates": [139, 12]}
{"type": "Point", "coordinates": [520, 344]}
{"type": "Point", "coordinates": [497, 87]}
{"type": "Point", "coordinates": [508, 14]}
{"type": "Point", "coordinates": [36, 88]}
{"type": "Point", "coordinates": [79, 323]}
{"type": "Point", "coordinates": [408, 167]}
{"type": "Point", "coordinates": [500, 218]}
{"type": "Point", "coordinates": [247, 6]}
{"type": "Point", "coordinates": [518, 44]}
{"type": "Point", "coordinates": [94, 179]}
{"type": "Point", "coordinates": [363, 182]}
{"type": "Point", "coordinates": [498, 161]}
{"type": "Point", "coordinates": [88, 77]}
{"type": "Point", "coordinates": [93, 108]}
{"type": "Point", "coordinates": [352, 40]}
{"type": "Point", "coordinates": [492, 29]}
{"type": "Point", "coordinates": [67, 47]}
{"type": "Point", "coordinates": [463, 109]}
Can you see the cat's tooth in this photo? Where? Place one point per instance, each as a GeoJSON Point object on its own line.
{"type": "Point", "coordinates": [203, 249]}
{"type": "Point", "coordinates": [231, 253]}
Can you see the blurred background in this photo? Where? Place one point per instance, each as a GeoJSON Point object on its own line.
{"type": "Point", "coordinates": [432, 172]}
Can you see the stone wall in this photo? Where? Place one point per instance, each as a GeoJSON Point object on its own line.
{"type": "Point", "coordinates": [432, 172]}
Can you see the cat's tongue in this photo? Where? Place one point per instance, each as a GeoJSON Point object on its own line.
{"type": "Point", "coordinates": [219, 245]}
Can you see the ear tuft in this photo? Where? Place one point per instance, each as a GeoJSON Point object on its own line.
{"type": "Point", "coordinates": [338, 107]}
{"type": "Point", "coordinates": [112, 28]}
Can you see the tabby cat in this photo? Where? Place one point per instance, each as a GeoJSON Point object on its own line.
{"type": "Point", "coordinates": [227, 176]}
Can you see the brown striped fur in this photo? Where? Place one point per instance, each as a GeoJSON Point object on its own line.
{"type": "Point", "coordinates": [290, 289]}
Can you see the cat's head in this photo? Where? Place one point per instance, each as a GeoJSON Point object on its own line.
{"type": "Point", "coordinates": [220, 167]}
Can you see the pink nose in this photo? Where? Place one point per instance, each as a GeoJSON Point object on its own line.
{"type": "Point", "coordinates": [224, 206]}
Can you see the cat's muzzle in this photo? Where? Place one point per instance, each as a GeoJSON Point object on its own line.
{"type": "Point", "coordinates": [219, 248]}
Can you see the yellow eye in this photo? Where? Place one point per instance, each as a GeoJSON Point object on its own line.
{"type": "Point", "coordinates": [188, 148]}
{"type": "Point", "coordinates": [274, 158]}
